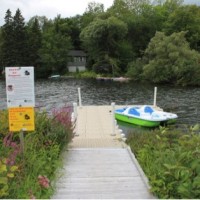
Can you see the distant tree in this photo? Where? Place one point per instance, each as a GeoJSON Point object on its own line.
{"type": "Point", "coordinates": [20, 47]}
{"type": "Point", "coordinates": [54, 51]}
{"type": "Point", "coordinates": [172, 5]}
{"type": "Point", "coordinates": [186, 18]}
{"type": "Point", "coordinates": [94, 7]}
{"type": "Point", "coordinates": [1, 53]}
{"type": "Point", "coordinates": [142, 28]}
{"type": "Point", "coordinates": [135, 69]}
{"type": "Point", "coordinates": [101, 38]}
{"type": "Point", "coordinates": [119, 9]}
{"type": "Point", "coordinates": [75, 24]}
{"type": "Point", "coordinates": [126, 54]}
{"type": "Point", "coordinates": [41, 21]}
{"type": "Point", "coordinates": [169, 59]}
{"type": "Point", "coordinates": [142, 20]}
{"type": "Point", "coordinates": [134, 6]}
{"type": "Point", "coordinates": [70, 27]}
{"type": "Point", "coordinates": [92, 11]}
{"type": "Point", "coordinates": [137, 6]}
{"type": "Point", "coordinates": [7, 46]}
{"type": "Point", "coordinates": [34, 43]}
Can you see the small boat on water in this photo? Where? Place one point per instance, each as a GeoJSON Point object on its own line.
{"type": "Point", "coordinates": [121, 79]}
{"type": "Point", "coordinates": [54, 76]}
{"type": "Point", "coordinates": [146, 116]}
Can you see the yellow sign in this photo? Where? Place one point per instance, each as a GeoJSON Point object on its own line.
{"type": "Point", "coordinates": [21, 118]}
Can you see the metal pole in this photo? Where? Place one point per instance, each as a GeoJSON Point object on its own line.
{"type": "Point", "coordinates": [79, 97]}
{"type": "Point", "coordinates": [155, 96]}
{"type": "Point", "coordinates": [113, 119]}
{"type": "Point", "coordinates": [75, 110]}
{"type": "Point", "coordinates": [74, 113]}
{"type": "Point", "coordinates": [75, 128]}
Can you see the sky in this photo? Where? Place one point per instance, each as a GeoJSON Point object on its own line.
{"type": "Point", "coordinates": [51, 8]}
{"type": "Point", "coordinates": [48, 8]}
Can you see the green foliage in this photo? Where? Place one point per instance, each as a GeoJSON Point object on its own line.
{"type": "Point", "coordinates": [101, 38]}
{"type": "Point", "coordinates": [114, 41]}
{"type": "Point", "coordinates": [4, 126]}
{"type": "Point", "coordinates": [186, 18]}
{"type": "Point", "coordinates": [7, 173]}
{"type": "Point", "coordinates": [135, 69]}
{"type": "Point", "coordinates": [107, 66]}
{"type": "Point", "coordinates": [73, 27]}
{"type": "Point", "coordinates": [7, 40]}
{"type": "Point", "coordinates": [170, 160]}
{"type": "Point", "coordinates": [20, 48]}
{"type": "Point", "coordinates": [55, 46]}
{"type": "Point", "coordinates": [170, 60]}
{"type": "Point", "coordinates": [14, 40]}
{"type": "Point", "coordinates": [34, 42]}
{"type": "Point", "coordinates": [86, 74]}
{"type": "Point", "coordinates": [93, 11]}
{"type": "Point", "coordinates": [30, 173]}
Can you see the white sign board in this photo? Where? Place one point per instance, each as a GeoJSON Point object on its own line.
{"type": "Point", "coordinates": [20, 87]}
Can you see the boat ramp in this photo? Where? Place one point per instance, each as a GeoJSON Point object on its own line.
{"type": "Point", "coordinates": [97, 163]}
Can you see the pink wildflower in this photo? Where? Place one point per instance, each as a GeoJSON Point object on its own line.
{"type": "Point", "coordinates": [8, 139]}
{"type": "Point", "coordinates": [63, 115]}
{"type": "Point", "coordinates": [14, 148]}
{"type": "Point", "coordinates": [43, 181]}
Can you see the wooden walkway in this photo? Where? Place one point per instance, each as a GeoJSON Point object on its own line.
{"type": "Point", "coordinates": [98, 164]}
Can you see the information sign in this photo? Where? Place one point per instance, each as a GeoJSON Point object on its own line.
{"type": "Point", "coordinates": [20, 87]}
{"type": "Point", "coordinates": [21, 119]}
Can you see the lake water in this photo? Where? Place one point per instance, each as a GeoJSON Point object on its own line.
{"type": "Point", "coordinates": [57, 93]}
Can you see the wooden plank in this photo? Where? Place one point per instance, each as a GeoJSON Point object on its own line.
{"type": "Point", "coordinates": [100, 173]}
{"type": "Point", "coordinates": [97, 164]}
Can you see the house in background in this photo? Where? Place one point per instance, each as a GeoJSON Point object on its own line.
{"type": "Point", "coordinates": [76, 61]}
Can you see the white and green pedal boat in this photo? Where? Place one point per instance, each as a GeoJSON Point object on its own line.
{"type": "Point", "coordinates": [146, 116]}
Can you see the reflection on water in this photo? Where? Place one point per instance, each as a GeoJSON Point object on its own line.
{"type": "Point", "coordinates": [57, 93]}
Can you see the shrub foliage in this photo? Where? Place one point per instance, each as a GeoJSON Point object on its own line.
{"type": "Point", "coordinates": [170, 159]}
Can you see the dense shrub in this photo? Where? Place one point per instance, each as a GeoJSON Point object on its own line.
{"type": "Point", "coordinates": [86, 74]}
{"type": "Point", "coordinates": [171, 161]}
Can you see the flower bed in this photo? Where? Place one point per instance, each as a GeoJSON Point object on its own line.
{"type": "Point", "coordinates": [29, 174]}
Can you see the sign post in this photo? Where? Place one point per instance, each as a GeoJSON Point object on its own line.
{"type": "Point", "coordinates": [20, 100]}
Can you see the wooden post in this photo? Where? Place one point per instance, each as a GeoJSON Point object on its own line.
{"type": "Point", "coordinates": [155, 96]}
{"type": "Point", "coordinates": [113, 119]}
{"type": "Point", "coordinates": [21, 137]}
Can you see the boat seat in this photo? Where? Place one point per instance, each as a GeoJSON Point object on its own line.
{"type": "Point", "coordinates": [120, 110]}
{"type": "Point", "coordinates": [148, 109]}
{"type": "Point", "coordinates": [133, 111]}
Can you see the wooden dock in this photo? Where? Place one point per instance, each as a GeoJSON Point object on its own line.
{"type": "Point", "coordinates": [98, 164]}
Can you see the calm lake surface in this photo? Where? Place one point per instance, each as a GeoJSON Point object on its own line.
{"type": "Point", "coordinates": [51, 94]}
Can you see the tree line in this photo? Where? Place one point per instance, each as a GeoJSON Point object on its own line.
{"type": "Point", "coordinates": [157, 41]}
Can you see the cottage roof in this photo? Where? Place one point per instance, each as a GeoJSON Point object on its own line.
{"type": "Point", "coordinates": [77, 53]}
